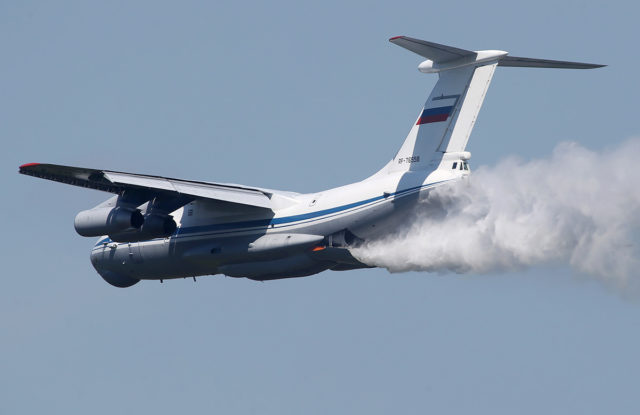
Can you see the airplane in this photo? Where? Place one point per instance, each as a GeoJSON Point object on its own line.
{"type": "Point", "coordinates": [157, 228]}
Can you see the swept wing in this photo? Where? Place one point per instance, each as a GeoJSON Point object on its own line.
{"type": "Point", "coordinates": [118, 182]}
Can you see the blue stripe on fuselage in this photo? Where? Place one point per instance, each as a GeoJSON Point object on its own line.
{"type": "Point", "coordinates": [265, 223]}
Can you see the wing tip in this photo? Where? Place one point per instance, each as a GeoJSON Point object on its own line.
{"type": "Point", "coordinates": [24, 166]}
{"type": "Point", "coordinates": [395, 38]}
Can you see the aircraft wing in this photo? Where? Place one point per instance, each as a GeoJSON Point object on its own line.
{"type": "Point", "coordinates": [117, 182]}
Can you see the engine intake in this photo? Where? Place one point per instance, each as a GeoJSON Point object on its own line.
{"type": "Point", "coordinates": [108, 220]}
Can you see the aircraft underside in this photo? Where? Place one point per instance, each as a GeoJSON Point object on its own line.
{"type": "Point", "coordinates": [258, 255]}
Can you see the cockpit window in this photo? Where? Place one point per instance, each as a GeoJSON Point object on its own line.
{"type": "Point", "coordinates": [455, 165]}
{"type": "Point", "coordinates": [466, 166]}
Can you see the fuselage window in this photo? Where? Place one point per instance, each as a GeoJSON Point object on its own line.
{"type": "Point", "coordinates": [455, 165]}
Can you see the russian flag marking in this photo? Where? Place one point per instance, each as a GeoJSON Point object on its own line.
{"type": "Point", "coordinates": [437, 114]}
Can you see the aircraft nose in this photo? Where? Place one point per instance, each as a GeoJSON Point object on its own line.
{"type": "Point", "coordinates": [103, 261]}
{"type": "Point", "coordinates": [98, 251]}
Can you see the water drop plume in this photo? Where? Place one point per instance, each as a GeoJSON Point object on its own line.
{"type": "Point", "coordinates": [577, 207]}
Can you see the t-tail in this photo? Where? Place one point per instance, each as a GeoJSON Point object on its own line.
{"type": "Point", "coordinates": [442, 129]}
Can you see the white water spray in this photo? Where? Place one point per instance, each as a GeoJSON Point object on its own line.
{"type": "Point", "coordinates": [577, 207]}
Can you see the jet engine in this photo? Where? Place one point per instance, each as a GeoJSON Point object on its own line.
{"type": "Point", "coordinates": [107, 220]}
{"type": "Point", "coordinates": [153, 226]}
{"type": "Point", "coordinates": [159, 225]}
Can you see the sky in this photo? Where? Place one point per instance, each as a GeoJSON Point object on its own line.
{"type": "Point", "coordinates": [303, 97]}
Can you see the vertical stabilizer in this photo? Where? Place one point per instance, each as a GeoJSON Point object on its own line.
{"type": "Point", "coordinates": [447, 118]}
{"type": "Point", "coordinates": [449, 114]}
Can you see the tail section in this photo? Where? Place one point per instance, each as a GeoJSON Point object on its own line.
{"type": "Point", "coordinates": [449, 114]}
{"type": "Point", "coordinates": [447, 118]}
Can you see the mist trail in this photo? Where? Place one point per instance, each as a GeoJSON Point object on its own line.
{"type": "Point", "coordinates": [577, 207]}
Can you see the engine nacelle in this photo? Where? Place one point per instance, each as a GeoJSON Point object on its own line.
{"type": "Point", "coordinates": [159, 226]}
{"type": "Point", "coordinates": [154, 226]}
{"type": "Point", "coordinates": [107, 220]}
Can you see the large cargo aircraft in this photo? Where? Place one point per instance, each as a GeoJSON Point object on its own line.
{"type": "Point", "coordinates": [157, 228]}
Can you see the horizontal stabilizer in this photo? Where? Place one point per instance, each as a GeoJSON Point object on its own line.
{"type": "Point", "coordinates": [440, 54]}
{"type": "Point", "coordinates": [430, 50]}
{"type": "Point", "coordinates": [516, 61]}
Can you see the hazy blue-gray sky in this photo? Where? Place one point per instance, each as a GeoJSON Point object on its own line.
{"type": "Point", "coordinates": [299, 97]}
